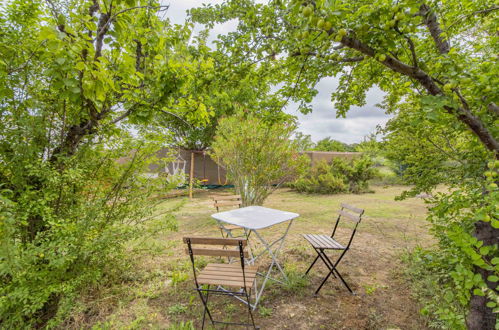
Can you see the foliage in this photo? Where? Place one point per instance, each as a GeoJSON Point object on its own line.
{"type": "Point", "coordinates": [339, 176]}
{"type": "Point", "coordinates": [304, 142]}
{"type": "Point", "coordinates": [183, 325]}
{"type": "Point", "coordinates": [432, 283]}
{"type": "Point", "coordinates": [436, 63]}
{"type": "Point", "coordinates": [322, 179]}
{"type": "Point", "coordinates": [87, 212]}
{"type": "Point", "coordinates": [257, 155]}
{"type": "Point", "coordinates": [221, 87]}
{"type": "Point", "coordinates": [74, 77]}
{"type": "Point", "coordinates": [328, 144]}
{"type": "Point", "coordinates": [264, 311]}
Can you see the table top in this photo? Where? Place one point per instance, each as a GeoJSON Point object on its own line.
{"type": "Point", "coordinates": [254, 217]}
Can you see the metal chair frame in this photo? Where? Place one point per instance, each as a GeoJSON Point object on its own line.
{"type": "Point", "coordinates": [321, 251]}
{"type": "Point", "coordinates": [243, 294]}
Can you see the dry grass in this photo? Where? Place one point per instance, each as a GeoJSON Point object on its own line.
{"type": "Point", "coordinates": [159, 292]}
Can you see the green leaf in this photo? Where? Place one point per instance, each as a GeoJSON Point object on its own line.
{"type": "Point", "coordinates": [80, 66]}
{"type": "Point", "coordinates": [478, 292]}
{"type": "Point", "coordinates": [493, 278]}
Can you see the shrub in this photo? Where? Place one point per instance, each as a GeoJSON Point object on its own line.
{"type": "Point", "coordinates": [257, 155]}
{"type": "Point", "coordinates": [337, 177]}
{"type": "Point", "coordinates": [430, 275]}
{"type": "Point", "coordinates": [67, 230]}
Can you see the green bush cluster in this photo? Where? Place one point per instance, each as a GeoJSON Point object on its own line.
{"type": "Point", "coordinates": [339, 176]}
{"type": "Point", "coordinates": [66, 229]}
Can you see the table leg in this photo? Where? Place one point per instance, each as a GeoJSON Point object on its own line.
{"type": "Point", "coordinates": [273, 255]}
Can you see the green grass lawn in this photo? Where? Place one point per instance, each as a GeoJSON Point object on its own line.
{"type": "Point", "coordinates": [159, 295]}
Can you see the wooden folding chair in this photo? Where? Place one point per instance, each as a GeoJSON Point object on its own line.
{"type": "Point", "coordinates": [223, 201]}
{"type": "Point", "coordinates": [223, 275]}
{"type": "Point", "coordinates": [322, 243]}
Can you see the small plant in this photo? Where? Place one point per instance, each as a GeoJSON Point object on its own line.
{"type": "Point", "coordinates": [371, 288]}
{"type": "Point", "coordinates": [179, 277]}
{"type": "Point", "coordinates": [264, 311]}
{"type": "Point", "coordinates": [230, 308]}
{"type": "Point", "coordinates": [188, 325]}
{"type": "Point", "coordinates": [177, 309]}
{"type": "Point", "coordinates": [296, 280]}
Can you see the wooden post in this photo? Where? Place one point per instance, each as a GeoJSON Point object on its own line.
{"type": "Point", "coordinates": [191, 176]}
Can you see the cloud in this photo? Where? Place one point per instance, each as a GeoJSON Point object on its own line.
{"type": "Point", "coordinates": [322, 122]}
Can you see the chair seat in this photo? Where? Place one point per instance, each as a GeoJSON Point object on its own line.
{"type": "Point", "coordinates": [323, 242]}
{"type": "Point", "coordinates": [227, 275]}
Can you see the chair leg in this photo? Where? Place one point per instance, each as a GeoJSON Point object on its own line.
{"type": "Point", "coordinates": [332, 271]}
{"type": "Point", "coordinates": [344, 282]}
{"type": "Point", "coordinates": [249, 309]}
{"type": "Point", "coordinates": [206, 306]}
{"type": "Point", "coordinates": [323, 281]}
{"type": "Point", "coordinates": [312, 265]}
{"type": "Point", "coordinates": [325, 260]}
{"type": "Point", "coordinates": [206, 310]}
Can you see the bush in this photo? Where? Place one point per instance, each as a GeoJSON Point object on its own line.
{"type": "Point", "coordinates": [430, 274]}
{"type": "Point", "coordinates": [66, 230]}
{"type": "Point", "coordinates": [337, 177]}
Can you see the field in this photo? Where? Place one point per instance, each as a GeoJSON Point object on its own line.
{"type": "Point", "coordinates": [159, 293]}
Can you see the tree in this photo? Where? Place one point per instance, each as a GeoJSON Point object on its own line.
{"type": "Point", "coordinates": [223, 89]}
{"type": "Point", "coordinates": [329, 144]}
{"type": "Point", "coordinates": [304, 141]}
{"type": "Point", "coordinates": [74, 76]}
{"type": "Point", "coordinates": [438, 57]}
{"type": "Point", "coordinates": [257, 155]}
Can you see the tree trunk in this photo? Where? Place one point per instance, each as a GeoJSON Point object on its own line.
{"type": "Point", "coordinates": [481, 317]}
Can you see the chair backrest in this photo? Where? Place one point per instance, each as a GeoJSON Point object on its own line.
{"type": "Point", "coordinates": [226, 201]}
{"type": "Point", "coordinates": [351, 213]}
{"type": "Point", "coordinates": [216, 252]}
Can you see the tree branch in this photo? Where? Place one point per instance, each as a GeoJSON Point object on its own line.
{"type": "Point", "coordinates": [462, 113]}
{"type": "Point", "coordinates": [430, 20]}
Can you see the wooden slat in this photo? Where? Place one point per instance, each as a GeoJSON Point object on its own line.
{"type": "Point", "coordinates": [217, 252]}
{"type": "Point", "coordinates": [226, 197]}
{"type": "Point", "coordinates": [227, 274]}
{"type": "Point", "coordinates": [326, 243]}
{"type": "Point", "coordinates": [230, 276]}
{"type": "Point", "coordinates": [352, 208]}
{"type": "Point", "coordinates": [227, 203]}
{"type": "Point", "coordinates": [323, 242]}
{"type": "Point", "coordinates": [350, 216]}
{"type": "Point", "coordinates": [216, 241]}
{"type": "Point", "coordinates": [223, 282]}
{"type": "Point", "coordinates": [313, 241]}
{"type": "Point", "coordinates": [231, 268]}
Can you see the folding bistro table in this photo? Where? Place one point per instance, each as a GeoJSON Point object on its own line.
{"type": "Point", "coordinates": [253, 219]}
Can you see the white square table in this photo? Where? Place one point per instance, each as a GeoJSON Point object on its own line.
{"type": "Point", "coordinates": [253, 219]}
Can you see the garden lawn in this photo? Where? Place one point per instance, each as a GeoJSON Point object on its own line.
{"type": "Point", "coordinates": [158, 292]}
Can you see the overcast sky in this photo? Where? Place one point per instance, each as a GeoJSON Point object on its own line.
{"type": "Point", "coordinates": [322, 122]}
